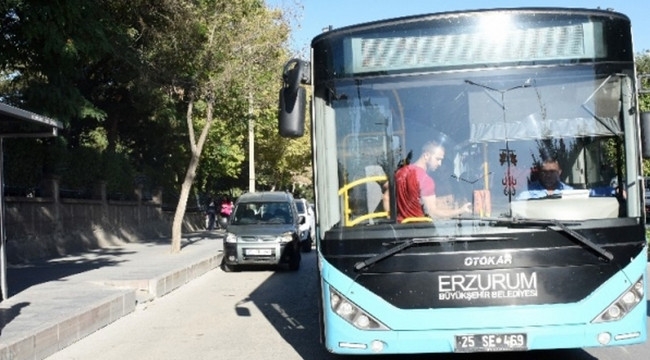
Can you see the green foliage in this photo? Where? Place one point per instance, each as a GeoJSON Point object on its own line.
{"type": "Point", "coordinates": [119, 74]}
{"type": "Point", "coordinates": [49, 47]}
{"type": "Point", "coordinates": [281, 160]}
{"type": "Point", "coordinates": [643, 68]}
{"type": "Point", "coordinates": [25, 171]}
{"type": "Point", "coordinates": [79, 170]}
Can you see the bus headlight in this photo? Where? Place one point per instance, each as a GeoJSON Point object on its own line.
{"type": "Point", "coordinates": [623, 305]}
{"type": "Point", "coordinates": [352, 313]}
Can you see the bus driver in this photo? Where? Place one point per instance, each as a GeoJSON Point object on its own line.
{"type": "Point", "coordinates": [548, 182]}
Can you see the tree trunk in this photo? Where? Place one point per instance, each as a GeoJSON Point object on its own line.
{"type": "Point", "coordinates": [197, 148]}
{"type": "Point", "coordinates": [177, 225]}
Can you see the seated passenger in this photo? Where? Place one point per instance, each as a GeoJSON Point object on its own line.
{"type": "Point", "coordinates": [249, 214]}
{"type": "Point", "coordinates": [244, 215]}
{"type": "Point", "coordinates": [283, 215]}
{"type": "Point", "coordinates": [416, 191]}
{"type": "Point", "coordinates": [548, 182]}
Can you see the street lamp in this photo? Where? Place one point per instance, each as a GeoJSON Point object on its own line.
{"type": "Point", "coordinates": [251, 145]}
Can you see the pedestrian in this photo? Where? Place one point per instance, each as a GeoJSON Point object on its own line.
{"type": "Point", "coordinates": [225, 211]}
{"type": "Point", "coordinates": [211, 213]}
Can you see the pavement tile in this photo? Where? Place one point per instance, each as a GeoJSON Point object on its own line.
{"type": "Point", "coordinates": [54, 303]}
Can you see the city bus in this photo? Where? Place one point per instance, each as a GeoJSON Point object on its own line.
{"type": "Point", "coordinates": [502, 90]}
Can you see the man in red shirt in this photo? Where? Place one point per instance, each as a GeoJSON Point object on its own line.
{"type": "Point", "coordinates": [415, 190]}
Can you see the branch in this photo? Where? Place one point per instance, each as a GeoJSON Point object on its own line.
{"type": "Point", "coordinates": [190, 126]}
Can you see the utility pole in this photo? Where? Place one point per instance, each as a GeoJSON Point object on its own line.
{"type": "Point", "coordinates": [251, 145]}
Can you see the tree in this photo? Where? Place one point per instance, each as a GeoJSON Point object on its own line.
{"type": "Point", "coordinates": [281, 161]}
{"type": "Point", "coordinates": [228, 68]}
{"type": "Point", "coordinates": [148, 91]}
{"type": "Point", "coordinates": [48, 48]}
{"type": "Point", "coordinates": [643, 68]}
{"type": "Point", "coordinates": [80, 62]}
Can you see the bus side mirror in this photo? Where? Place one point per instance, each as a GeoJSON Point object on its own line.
{"type": "Point", "coordinates": [645, 134]}
{"type": "Point", "coordinates": [293, 99]}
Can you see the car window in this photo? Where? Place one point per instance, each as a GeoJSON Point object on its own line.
{"type": "Point", "coordinates": [301, 207]}
{"type": "Point", "coordinates": [245, 214]}
{"type": "Point", "coordinates": [263, 212]}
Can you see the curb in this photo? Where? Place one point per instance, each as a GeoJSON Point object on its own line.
{"type": "Point", "coordinates": [66, 326]}
{"type": "Point", "coordinates": [171, 281]}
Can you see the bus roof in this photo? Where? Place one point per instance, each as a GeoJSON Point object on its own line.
{"type": "Point", "coordinates": [445, 14]}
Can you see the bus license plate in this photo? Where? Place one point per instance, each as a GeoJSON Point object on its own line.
{"type": "Point", "coordinates": [491, 342]}
{"type": "Point", "coordinates": [262, 252]}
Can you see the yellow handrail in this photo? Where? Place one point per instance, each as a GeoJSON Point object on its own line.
{"type": "Point", "coordinates": [417, 219]}
{"type": "Point", "coordinates": [383, 214]}
{"type": "Point", "coordinates": [347, 212]}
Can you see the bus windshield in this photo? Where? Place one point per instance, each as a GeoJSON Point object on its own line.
{"type": "Point", "coordinates": [498, 125]}
{"type": "Point", "coordinates": [497, 130]}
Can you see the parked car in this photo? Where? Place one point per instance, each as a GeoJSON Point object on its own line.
{"type": "Point", "coordinates": [308, 228]}
{"type": "Point", "coordinates": [263, 230]}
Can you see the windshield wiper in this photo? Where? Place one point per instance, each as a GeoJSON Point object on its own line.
{"type": "Point", "coordinates": [564, 227]}
{"type": "Point", "coordinates": [584, 240]}
{"type": "Point", "coordinates": [404, 244]}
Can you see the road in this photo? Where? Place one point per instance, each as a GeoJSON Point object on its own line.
{"type": "Point", "coordinates": [253, 314]}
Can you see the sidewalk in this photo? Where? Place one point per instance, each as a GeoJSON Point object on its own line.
{"type": "Point", "coordinates": [57, 302]}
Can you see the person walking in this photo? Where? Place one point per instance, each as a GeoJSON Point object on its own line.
{"type": "Point", "coordinates": [211, 213]}
{"type": "Point", "coordinates": [225, 211]}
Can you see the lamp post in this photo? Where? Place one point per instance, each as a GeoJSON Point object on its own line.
{"type": "Point", "coordinates": [251, 145]}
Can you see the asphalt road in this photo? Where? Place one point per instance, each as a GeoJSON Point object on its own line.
{"type": "Point", "coordinates": [254, 314]}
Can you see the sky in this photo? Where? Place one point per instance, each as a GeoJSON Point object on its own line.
{"type": "Point", "coordinates": [312, 16]}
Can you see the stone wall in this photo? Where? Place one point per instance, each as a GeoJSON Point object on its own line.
{"type": "Point", "coordinates": [47, 227]}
